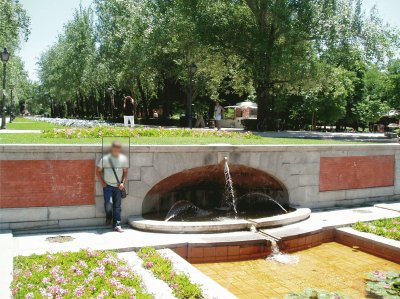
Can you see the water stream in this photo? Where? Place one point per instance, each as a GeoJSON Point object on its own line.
{"type": "Point", "coordinates": [230, 192]}
{"type": "Point", "coordinates": [276, 255]}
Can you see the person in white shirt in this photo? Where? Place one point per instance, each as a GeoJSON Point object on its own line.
{"type": "Point", "coordinates": [218, 114]}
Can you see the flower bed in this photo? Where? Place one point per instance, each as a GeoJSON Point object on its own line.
{"type": "Point", "coordinates": [384, 284]}
{"type": "Point", "coordinates": [99, 132]}
{"type": "Point", "coordinates": [163, 269]}
{"type": "Point", "coordinates": [315, 294]}
{"type": "Point", "coordinates": [388, 228]}
{"type": "Point", "coordinates": [83, 274]}
{"type": "Point", "coordinates": [71, 122]}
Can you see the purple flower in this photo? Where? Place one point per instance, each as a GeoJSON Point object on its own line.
{"type": "Point", "coordinates": [46, 280]}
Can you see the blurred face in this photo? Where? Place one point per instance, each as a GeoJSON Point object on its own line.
{"type": "Point", "coordinates": [116, 149]}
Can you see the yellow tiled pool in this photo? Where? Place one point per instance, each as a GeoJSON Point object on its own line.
{"type": "Point", "coordinates": [330, 266]}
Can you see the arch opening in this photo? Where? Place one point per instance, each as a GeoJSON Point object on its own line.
{"type": "Point", "coordinates": [199, 193]}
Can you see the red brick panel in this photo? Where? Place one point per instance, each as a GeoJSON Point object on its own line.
{"type": "Point", "coordinates": [43, 183]}
{"type": "Point", "coordinates": [345, 173]}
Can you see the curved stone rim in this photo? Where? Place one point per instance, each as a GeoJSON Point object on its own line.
{"type": "Point", "coordinates": [138, 222]}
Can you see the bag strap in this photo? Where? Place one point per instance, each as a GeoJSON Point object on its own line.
{"type": "Point", "coordinates": [113, 168]}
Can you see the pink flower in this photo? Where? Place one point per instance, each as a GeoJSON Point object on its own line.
{"type": "Point", "coordinates": [82, 264]}
{"type": "Point", "coordinates": [29, 296]}
{"type": "Point", "coordinates": [92, 288]}
{"type": "Point", "coordinates": [30, 286]}
{"type": "Point", "coordinates": [149, 264]}
{"type": "Point", "coordinates": [49, 257]}
{"type": "Point", "coordinates": [175, 286]}
{"type": "Point", "coordinates": [172, 274]}
{"type": "Point", "coordinates": [79, 291]}
{"type": "Point", "coordinates": [117, 293]}
{"type": "Point", "coordinates": [46, 280]}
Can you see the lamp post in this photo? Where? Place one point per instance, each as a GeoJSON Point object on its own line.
{"type": "Point", "coordinates": [12, 103]}
{"type": "Point", "coordinates": [192, 71]}
{"type": "Point", "coordinates": [5, 55]}
{"type": "Point", "coordinates": [111, 91]}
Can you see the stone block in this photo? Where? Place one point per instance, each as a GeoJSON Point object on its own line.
{"type": "Point", "coordinates": [23, 214]}
{"type": "Point", "coordinates": [81, 222]}
{"type": "Point", "coordinates": [134, 173]}
{"type": "Point", "coordinates": [150, 176]}
{"type": "Point", "coordinates": [308, 180]}
{"type": "Point", "coordinates": [141, 159]}
{"type": "Point", "coordinates": [138, 189]}
{"type": "Point", "coordinates": [369, 192]}
{"type": "Point", "coordinates": [34, 225]}
{"type": "Point", "coordinates": [71, 212]}
{"type": "Point", "coordinates": [99, 211]}
{"type": "Point", "coordinates": [332, 195]}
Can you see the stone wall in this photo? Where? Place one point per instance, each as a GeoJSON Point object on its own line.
{"type": "Point", "coordinates": [353, 174]}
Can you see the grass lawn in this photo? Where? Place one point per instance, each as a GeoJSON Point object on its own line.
{"type": "Point", "coordinates": [27, 124]}
{"type": "Point", "coordinates": [388, 228]}
{"type": "Point", "coordinates": [39, 139]}
{"type": "Point", "coordinates": [153, 136]}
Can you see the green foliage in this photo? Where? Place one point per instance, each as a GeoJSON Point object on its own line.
{"type": "Point", "coordinates": [388, 228]}
{"type": "Point", "coordinates": [316, 294]}
{"type": "Point", "coordinates": [86, 274]}
{"type": "Point", "coordinates": [384, 284]}
{"type": "Point", "coordinates": [304, 61]}
{"type": "Point", "coordinates": [99, 132]}
{"type": "Point", "coordinates": [163, 269]}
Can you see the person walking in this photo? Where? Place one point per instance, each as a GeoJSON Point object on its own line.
{"type": "Point", "coordinates": [129, 111]}
{"type": "Point", "coordinates": [112, 173]}
{"type": "Point", "coordinates": [218, 112]}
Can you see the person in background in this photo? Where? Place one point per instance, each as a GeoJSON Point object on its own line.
{"type": "Point", "coordinates": [129, 111]}
{"type": "Point", "coordinates": [218, 113]}
{"type": "Point", "coordinates": [111, 186]}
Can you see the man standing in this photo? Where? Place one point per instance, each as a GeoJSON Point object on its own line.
{"type": "Point", "coordinates": [218, 111]}
{"type": "Point", "coordinates": [129, 111]}
{"type": "Point", "coordinates": [113, 183]}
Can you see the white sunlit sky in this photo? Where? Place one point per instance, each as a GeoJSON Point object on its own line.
{"type": "Point", "coordinates": [49, 16]}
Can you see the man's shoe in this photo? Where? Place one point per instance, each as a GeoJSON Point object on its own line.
{"type": "Point", "coordinates": [118, 229]}
{"type": "Point", "coordinates": [108, 221]}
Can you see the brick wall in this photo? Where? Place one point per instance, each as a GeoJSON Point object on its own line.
{"type": "Point", "coordinates": [344, 173]}
{"type": "Point", "coordinates": [40, 183]}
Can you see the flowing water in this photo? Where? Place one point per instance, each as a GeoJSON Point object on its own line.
{"type": "Point", "coordinates": [256, 198]}
{"type": "Point", "coordinates": [182, 208]}
{"type": "Point", "coordinates": [283, 258]}
{"type": "Point", "coordinates": [230, 192]}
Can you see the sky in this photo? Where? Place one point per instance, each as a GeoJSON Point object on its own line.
{"type": "Point", "coordinates": [49, 16]}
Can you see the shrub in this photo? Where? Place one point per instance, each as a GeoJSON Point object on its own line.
{"type": "Point", "coordinates": [84, 274]}
{"type": "Point", "coordinates": [384, 284]}
{"type": "Point", "coordinates": [250, 124]}
{"type": "Point", "coordinates": [163, 269]}
{"type": "Point", "coordinates": [388, 228]}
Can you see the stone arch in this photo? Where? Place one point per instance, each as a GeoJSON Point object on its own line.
{"type": "Point", "coordinates": [204, 186]}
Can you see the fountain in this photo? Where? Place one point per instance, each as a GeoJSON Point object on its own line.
{"type": "Point", "coordinates": [217, 198]}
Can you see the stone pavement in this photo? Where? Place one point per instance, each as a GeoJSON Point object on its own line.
{"type": "Point", "coordinates": [26, 243]}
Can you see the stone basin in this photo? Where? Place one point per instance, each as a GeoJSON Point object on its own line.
{"type": "Point", "coordinates": [227, 225]}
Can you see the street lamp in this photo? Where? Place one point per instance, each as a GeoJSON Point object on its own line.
{"type": "Point", "coordinates": [192, 71]}
{"type": "Point", "coordinates": [5, 56]}
{"type": "Point", "coordinates": [12, 103]}
{"type": "Point", "coordinates": [111, 91]}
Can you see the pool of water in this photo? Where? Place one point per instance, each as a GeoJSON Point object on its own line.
{"type": "Point", "coordinates": [330, 266]}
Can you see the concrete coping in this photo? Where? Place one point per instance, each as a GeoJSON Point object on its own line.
{"type": "Point", "coordinates": [139, 222]}
{"type": "Point", "coordinates": [83, 148]}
